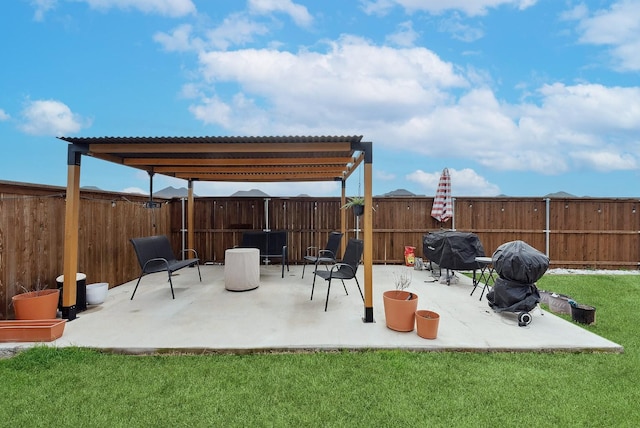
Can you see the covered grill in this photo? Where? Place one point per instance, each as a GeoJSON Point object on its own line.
{"type": "Point", "coordinates": [519, 266]}
{"type": "Point", "coordinates": [453, 250]}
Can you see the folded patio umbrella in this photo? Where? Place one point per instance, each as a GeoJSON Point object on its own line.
{"type": "Point", "coordinates": [442, 205]}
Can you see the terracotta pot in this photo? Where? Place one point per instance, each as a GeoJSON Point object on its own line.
{"type": "Point", "coordinates": [400, 309]}
{"type": "Point", "coordinates": [427, 324]}
{"type": "Point", "coordinates": [31, 330]}
{"type": "Point", "coordinates": [36, 305]}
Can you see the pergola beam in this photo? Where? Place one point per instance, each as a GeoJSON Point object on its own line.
{"type": "Point", "coordinates": [271, 177]}
{"type": "Point", "coordinates": [278, 161]}
{"type": "Point", "coordinates": [219, 148]}
{"type": "Point", "coordinates": [326, 170]}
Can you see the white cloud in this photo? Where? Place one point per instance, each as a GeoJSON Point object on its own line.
{"type": "Point", "coordinates": [212, 111]}
{"type": "Point", "coordinates": [171, 8]}
{"type": "Point", "coordinates": [135, 190]}
{"type": "Point", "coordinates": [42, 7]}
{"type": "Point", "coordinates": [353, 82]}
{"type": "Point", "coordinates": [408, 99]}
{"type": "Point", "coordinates": [384, 176]}
{"type": "Point", "coordinates": [236, 29]}
{"type": "Point", "coordinates": [584, 115]}
{"type": "Point", "coordinates": [469, 7]}
{"type": "Point", "coordinates": [405, 36]}
{"type": "Point", "coordinates": [377, 7]}
{"type": "Point", "coordinates": [606, 160]}
{"type": "Point", "coordinates": [179, 40]}
{"type": "Point", "coordinates": [617, 27]}
{"type": "Point", "coordinates": [4, 116]}
{"type": "Point", "coordinates": [459, 30]}
{"type": "Point", "coordinates": [298, 13]}
{"type": "Point", "coordinates": [464, 182]}
{"type": "Point", "coordinates": [51, 117]}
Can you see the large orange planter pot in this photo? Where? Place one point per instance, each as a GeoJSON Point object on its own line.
{"type": "Point", "coordinates": [36, 305]}
{"type": "Point", "coordinates": [400, 309]}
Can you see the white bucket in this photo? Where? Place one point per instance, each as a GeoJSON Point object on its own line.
{"type": "Point", "coordinates": [97, 293]}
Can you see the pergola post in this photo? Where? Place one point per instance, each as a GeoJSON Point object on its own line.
{"type": "Point", "coordinates": [71, 227]}
{"type": "Point", "coordinates": [366, 156]}
{"type": "Point", "coordinates": [368, 232]}
{"type": "Point", "coordinates": [190, 217]}
{"type": "Point", "coordinates": [343, 215]}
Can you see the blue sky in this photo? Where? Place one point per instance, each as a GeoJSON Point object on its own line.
{"type": "Point", "coordinates": [515, 97]}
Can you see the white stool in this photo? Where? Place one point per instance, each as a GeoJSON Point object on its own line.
{"type": "Point", "coordinates": [241, 269]}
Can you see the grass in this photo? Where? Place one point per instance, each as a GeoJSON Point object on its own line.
{"type": "Point", "coordinates": [81, 387]}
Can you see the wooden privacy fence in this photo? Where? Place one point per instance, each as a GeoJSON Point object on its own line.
{"type": "Point", "coordinates": [32, 236]}
{"type": "Point", "coordinates": [576, 232]}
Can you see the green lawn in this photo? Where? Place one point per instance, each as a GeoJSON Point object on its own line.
{"type": "Point", "coordinates": [77, 387]}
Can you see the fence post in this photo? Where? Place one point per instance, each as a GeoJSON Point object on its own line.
{"type": "Point", "coordinates": [547, 226]}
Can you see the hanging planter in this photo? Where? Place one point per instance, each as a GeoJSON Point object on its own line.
{"type": "Point", "coordinates": [357, 204]}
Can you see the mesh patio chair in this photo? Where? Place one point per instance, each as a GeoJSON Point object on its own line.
{"type": "Point", "coordinates": [346, 269]}
{"type": "Point", "coordinates": [155, 255]}
{"type": "Point", "coordinates": [327, 256]}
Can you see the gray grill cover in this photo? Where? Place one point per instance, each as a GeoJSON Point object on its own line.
{"type": "Point", "coordinates": [511, 296]}
{"type": "Point", "coordinates": [453, 250]}
{"type": "Point", "coordinates": [520, 262]}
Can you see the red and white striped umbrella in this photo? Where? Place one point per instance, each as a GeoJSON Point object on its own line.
{"type": "Point", "coordinates": [442, 205]}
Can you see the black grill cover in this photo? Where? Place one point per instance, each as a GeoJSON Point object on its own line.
{"type": "Point", "coordinates": [520, 262]}
{"type": "Point", "coordinates": [513, 296]}
{"type": "Point", "coordinates": [453, 250]}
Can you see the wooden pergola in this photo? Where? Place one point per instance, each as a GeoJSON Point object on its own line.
{"type": "Point", "coordinates": [241, 159]}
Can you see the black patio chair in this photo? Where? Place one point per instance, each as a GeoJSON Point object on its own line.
{"type": "Point", "coordinates": [155, 255]}
{"type": "Point", "coordinates": [346, 269]}
{"type": "Point", "coordinates": [328, 255]}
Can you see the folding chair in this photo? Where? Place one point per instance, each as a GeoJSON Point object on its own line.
{"type": "Point", "coordinates": [328, 255]}
{"type": "Point", "coordinates": [346, 269]}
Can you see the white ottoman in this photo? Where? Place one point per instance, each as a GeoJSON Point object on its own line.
{"type": "Point", "coordinates": [241, 269]}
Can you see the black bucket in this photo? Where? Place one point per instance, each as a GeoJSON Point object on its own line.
{"type": "Point", "coordinates": [81, 291]}
{"type": "Point", "coordinates": [584, 314]}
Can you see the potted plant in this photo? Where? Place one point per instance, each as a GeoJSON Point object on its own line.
{"type": "Point", "coordinates": [400, 305]}
{"type": "Point", "coordinates": [356, 203]}
{"type": "Point", "coordinates": [427, 324]}
{"type": "Point", "coordinates": [39, 303]}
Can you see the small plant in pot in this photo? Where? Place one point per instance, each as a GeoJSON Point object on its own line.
{"type": "Point", "coordinates": [400, 305]}
{"type": "Point", "coordinates": [357, 204]}
{"type": "Point", "coordinates": [37, 303]}
{"type": "Point", "coordinates": [427, 323]}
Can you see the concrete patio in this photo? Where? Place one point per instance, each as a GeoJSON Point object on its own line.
{"type": "Point", "coordinates": [279, 316]}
